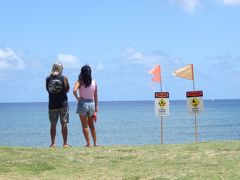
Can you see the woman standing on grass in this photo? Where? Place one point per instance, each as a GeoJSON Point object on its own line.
{"type": "Point", "coordinates": [85, 91]}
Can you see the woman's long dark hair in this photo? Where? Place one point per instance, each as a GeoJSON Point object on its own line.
{"type": "Point", "coordinates": [86, 75]}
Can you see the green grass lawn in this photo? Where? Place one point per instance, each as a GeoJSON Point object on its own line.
{"type": "Point", "coordinates": [211, 160]}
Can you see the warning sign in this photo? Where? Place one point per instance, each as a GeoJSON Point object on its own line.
{"type": "Point", "coordinates": [195, 101]}
{"type": "Point", "coordinates": [161, 103]}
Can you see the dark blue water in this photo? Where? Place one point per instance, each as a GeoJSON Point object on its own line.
{"type": "Point", "coordinates": [131, 123]}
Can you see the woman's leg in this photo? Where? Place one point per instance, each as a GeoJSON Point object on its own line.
{"type": "Point", "coordinates": [84, 121]}
{"type": "Point", "coordinates": [93, 130]}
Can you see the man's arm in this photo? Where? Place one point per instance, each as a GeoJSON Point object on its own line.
{"type": "Point", "coordinates": [66, 84]}
{"type": "Point", "coordinates": [47, 84]}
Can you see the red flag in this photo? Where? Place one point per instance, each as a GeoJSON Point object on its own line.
{"type": "Point", "coordinates": [156, 73]}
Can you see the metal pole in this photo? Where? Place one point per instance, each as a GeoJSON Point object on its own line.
{"type": "Point", "coordinates": [161, 86]}
{"type": "Point", "coordinates": [161, 116]}
{"type": "Point", "coordinates": [160, 79]}
{"type": "Point", "coordinates": [196, 132]}
{"type": "Point", "coordinates": [195, 116]}
{"type": "Point", "coordinates": [161, 130]}
{"type": "Point", "coordinates": [193, 85]}
{"type": "Point", "coordinates": [193, 78]}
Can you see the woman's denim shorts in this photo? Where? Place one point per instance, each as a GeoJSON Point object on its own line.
{"type": "Point", "coordinates": [86, 107]}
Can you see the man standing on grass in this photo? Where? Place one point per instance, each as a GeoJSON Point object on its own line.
{"type": "Point", "coordinates": [58, 87]}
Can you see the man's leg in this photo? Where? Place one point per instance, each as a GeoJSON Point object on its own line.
{"type": "Point", "coordinates": [53, 117]}
{"type": "Point", "coordinates": [53, 133]}
{"type": "Point", "coordinates": [64, 118]}
{"type": "Point", "coordinates": [64, 134]}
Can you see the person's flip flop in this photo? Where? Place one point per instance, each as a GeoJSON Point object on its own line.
{"type": "Point", "coordinates": [66, 145]}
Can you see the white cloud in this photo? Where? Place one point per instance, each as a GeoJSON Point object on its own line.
{"type": "Point", "coordinates": [189, 6]}
{"type": "Point", "coordinates": [69, 61]}
{"type": "Point", "coordinates": [10, 59]}
{"type": "Point", "coordinates": [138, 57]}
{"type": "Point", "coordinates": [230, 2]}
{"type": "Point", "coordinates": [134, 56]}
{"type": "Point", "coordinates": [151, 58]}
{"type": "Point", "coordinates": [99, 66]}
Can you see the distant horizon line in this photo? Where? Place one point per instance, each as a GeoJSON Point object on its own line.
{"type": "Point", "coordinates": [114, 101]}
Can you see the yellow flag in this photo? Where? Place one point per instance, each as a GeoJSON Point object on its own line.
{"type": "Point", "coordinates": [185, 72]}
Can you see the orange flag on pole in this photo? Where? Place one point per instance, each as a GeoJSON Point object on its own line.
{"type": "Point", "coordinates": [185, 72]}
{"type": "Point", "coordinates": [156, 73]}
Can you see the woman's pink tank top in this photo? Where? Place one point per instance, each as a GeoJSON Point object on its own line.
{"type": "Point", "coordinates": [88, 93]}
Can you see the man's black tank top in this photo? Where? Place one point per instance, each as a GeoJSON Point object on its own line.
{"type": "Point", "coordinates": [57, 92]}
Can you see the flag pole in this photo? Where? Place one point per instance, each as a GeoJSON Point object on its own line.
{"type": "Point", "coordinates": [161, 130]}
{"type": "Point", "coordinates": [195, 116]}
{"type": "Point", "coordinates": [186, 73]}
{"type": "Point", "coordinates": [196, 133]}
{"type": "Point", "coordinates": [193, 78]}
{"type": "Point", "coordinates": [161, 116]}
{"type": "Point", "coordinates": [160, 79]}
{"type": "Point", "coordinates": [193, 85]}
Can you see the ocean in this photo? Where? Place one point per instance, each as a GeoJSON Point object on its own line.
{"type": "Point", "coordinates": [122, 123]}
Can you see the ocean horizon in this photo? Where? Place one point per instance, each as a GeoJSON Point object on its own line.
{"type": "Point", "coordinates": [122, 123]}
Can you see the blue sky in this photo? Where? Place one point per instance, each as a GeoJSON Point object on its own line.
{"type": "Point", "coordinates": [121, 40]}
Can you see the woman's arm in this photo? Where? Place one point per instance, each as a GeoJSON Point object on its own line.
{"type": "Point", "coordinates": [75, 90]}
{"type": "Point", "coordinates": [96, 99]}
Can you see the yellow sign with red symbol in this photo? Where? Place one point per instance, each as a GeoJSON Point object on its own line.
{"type": "Point", "coordinates": [161, 103]}
{"type": "Point", "coordinates": [195, 101]}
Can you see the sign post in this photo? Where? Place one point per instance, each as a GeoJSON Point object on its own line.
{"type": "Point", "coordinates": [161, 107]}
{"type": "Point", "coordinates": [195, 106]}
{"type": "Point", "coordinates": [161, 98]}
{"type": "Point", "coordinates": [194, 98]}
